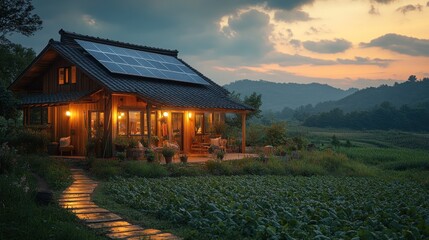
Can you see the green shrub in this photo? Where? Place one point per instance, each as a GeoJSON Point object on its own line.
{"type": "Point", "coordinates": [55, 171]}
{"type": "Point", "coordinates": [255, 167]}
{"type": "Point", "coordinates": [327, 163]}
{"type": "Point", "coordinates": [21, 218]}
{"type": "Point", "coordinates": [301, 168]}
{"type": "Point", "coordinates": [184, 170]}
{"type": "Point", "coordinates": [28, 140]}
{"type": "Point", "coordinates": [8, 159]}
{"type": "Point", "coordinates": [418, 164]}
{"type": "Point", "coordinates": [275, 134]}
{"type": "Point", "coordinates": [143, 169]}
{"type": "Point", "coordinates": [105, 168]}
{"type": "Point", "coordinates": [219, 168]}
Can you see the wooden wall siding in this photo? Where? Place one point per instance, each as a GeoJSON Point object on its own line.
{"type": "Point", "coordinates": [50, 80]}
{"type": "Point", "coordinates": [76, 125]}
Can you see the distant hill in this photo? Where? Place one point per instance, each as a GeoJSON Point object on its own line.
{"type": "Point", "coordinates": [407, 93]}
{"type": "Point", "coordinates": [276, 96]}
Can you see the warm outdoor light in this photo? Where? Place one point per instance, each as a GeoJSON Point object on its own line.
{"type": "Point", "coordinates": [165, 114]}
{"type": "Point", "coordinates": [189, 115]}
{"type": "Point", "coordinates": [68, 113]}
{"type": "Point", "coordinates": [122, 114]}
{"type": "Point", "coordinates": [119, 117]}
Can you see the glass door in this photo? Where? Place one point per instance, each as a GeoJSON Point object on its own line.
{"type": "Point", "coordinates": [177, 128]}
{"type": "Point", "coordinates": [96, 125]}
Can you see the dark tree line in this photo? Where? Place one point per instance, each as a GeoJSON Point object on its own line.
{"type": "Point", "coordinates": [383, 117]}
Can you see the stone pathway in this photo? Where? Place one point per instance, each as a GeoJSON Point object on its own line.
{"type": "Point", "coordinates": [77, 198]}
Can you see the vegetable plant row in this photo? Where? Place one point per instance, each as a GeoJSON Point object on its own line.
{"type": "Point", "coordinates": [279, 207]}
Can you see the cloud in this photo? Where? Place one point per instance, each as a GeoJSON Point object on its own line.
{"type": "Point", "coordinates": [384, 1]}
{"type": "Point", "coordinates": [285, 5]}
{"type": "Point", "coordinates": [327, 46]}
{"type": "Point", "coordinates": [292, 16]}
{"type": "Point", "coordinates": [401, 44]}
{"type": "Point", "coordinates": [249, 35]}
{"type": "Point", "coordinates": [295, 43]}
{"type": "Point", "coordinates": [373, 11]}
{"type": "Point", "coordinates": [427, 4]}
{"type": "Point", "coordinates": [89, 20]}
{"type": "Point", "coordinates": [365, 61]}
{"type": "Point", "coordinates": [409, 8]}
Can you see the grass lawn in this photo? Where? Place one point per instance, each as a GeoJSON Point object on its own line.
{"type": "Point", "coordinates": [20, 216]}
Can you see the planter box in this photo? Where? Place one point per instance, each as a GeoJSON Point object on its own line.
{"type": "Point", "coordinates": [53, 148]}
{"type": "Point", "coordinates": [135, 153]}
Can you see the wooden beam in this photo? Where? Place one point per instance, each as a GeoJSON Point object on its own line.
{"type": "Point", "coordinates": [148, 123]}
{"type": "Point", "coordinates": [243, 132]}
{"type": "Point", "coordinates": [107, 136]}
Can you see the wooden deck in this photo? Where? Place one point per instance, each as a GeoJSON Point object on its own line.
{"type": "Point", "coordinates": [192, 158]}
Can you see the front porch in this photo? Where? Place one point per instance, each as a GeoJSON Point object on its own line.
{"type": "Point", "coordinates": [192, 158]}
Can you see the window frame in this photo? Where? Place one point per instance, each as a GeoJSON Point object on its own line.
{"type": "Point", "coordinates": [66, 75]}
{"type": "Point", "coordinates": [143, 122]}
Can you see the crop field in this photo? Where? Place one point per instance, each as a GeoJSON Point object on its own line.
{"type": "Point", "coordinates": [281, 207]}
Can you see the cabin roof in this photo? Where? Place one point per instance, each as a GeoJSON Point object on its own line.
{"type": "Point", "coordinates": [53, 99]}
{"type": "Point", "coordinates": [155, 91]}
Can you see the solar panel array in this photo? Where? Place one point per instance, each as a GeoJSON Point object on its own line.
{"type": "Point", "coordinates": [141, 63]}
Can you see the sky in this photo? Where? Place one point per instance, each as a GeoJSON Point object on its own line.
{"type": "Point", "coordinates": [343, 43]}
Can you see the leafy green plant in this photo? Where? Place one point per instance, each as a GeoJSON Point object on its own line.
{"type": "Point", "coordinates": [143, 169]}
{"type": "Point", "coordinates": [168, 151]}
{"type": "Point", "coordinates": [149, 154]}
{"type": "Point", "coordinates": [105, 168]}
{"type": "Point", "coordinates": [278, 207]}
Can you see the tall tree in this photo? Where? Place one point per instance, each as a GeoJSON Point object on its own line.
{"type": "Point", "coordinates": [16, 16]}
{"type": "Point", "coordinates": [412, 78]}
{"type": "Point", "coordinates": [13, 59]}
{"type": "Point", "coordinates": [255, 101]}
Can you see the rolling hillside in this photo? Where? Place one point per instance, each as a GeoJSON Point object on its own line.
{"type": "Point", "coordinates": [276, 96]}
{"type": "Point", "coordinates": [407, 93]}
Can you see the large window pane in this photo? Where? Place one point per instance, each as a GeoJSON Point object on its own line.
{"type": "Point", "coordinates": [122, 123]}
{"type": "Point", "coordinates": [199, 123]}
{"type": "Point", "coordinates": [135, 122]}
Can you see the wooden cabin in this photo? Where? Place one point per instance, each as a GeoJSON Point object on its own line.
{"type": "Point", "coordinates": [91, 88]}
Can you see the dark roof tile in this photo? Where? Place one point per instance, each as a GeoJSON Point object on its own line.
{"type": "Point", "coordinates": [166, 93]}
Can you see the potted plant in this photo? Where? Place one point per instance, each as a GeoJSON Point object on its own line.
{"type": "Point", "coordinates": [183, 158]}
{"type": "Point", "coordinates": [220, 154]}
{"type": "Point", "coordinates": [121, 143]}
{"type": "Point", "coordinates": [168, 153]}
{"type": "Point", "coordinates": [133, 151]}
{"type": "Point", "coordinates": [150, 155]}
{"type": "Point", "coordinates": [154, 140]}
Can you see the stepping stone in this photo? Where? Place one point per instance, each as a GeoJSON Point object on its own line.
{"type": "Point", "coordinates": [122, 229]}
{"type": "Point", "coordinates": [77, 205]}
{"type": "Point", "coordinates": [90, 210]}
{"type": "Point", "coordinates": [84, 185]}
{"type": "Point", "coordinates": [80, 181]}
{"type": "Point", "coordinates": [74, 195]}
{"type": "Point", "coordinates": [79, 191]}
{"type": "Point", "coordinates": [109, 224]}
{"type": "Point", "coordinates": [141, 233]}
{"type": "Point", "coordinates": [78, 188]}
{"type": "Point", "coordinates": [98, 217]}
{"type": "Point", "coordinates": [160, 236]}
{"type": "Point", "coordinates": [75, 199]}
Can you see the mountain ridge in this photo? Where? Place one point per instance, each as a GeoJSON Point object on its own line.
{"type": "Point", "coordinates": [277, 96]}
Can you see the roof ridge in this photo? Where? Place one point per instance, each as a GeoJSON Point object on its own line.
{"type": "Point", "coordinates": [73, 35]}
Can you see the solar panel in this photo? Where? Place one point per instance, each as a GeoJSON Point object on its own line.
{"type": "Point", "coordinates": [141, 63]}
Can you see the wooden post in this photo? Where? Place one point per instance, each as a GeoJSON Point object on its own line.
{"type": "Point", "coordinates": [107, 136]}
{"type": "Point", "coordinates": [148, 123]}
{"type": "Point", "coordinates": [243, 132]}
